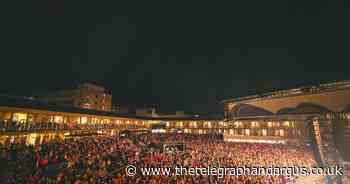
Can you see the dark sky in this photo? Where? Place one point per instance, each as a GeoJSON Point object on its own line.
{"type": "Point", "coordinates": [174, 56]}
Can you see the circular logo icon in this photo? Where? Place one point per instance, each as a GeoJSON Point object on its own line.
{"type": "Point", "coordinates": [131, 170]}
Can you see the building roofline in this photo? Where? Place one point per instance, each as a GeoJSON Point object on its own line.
{"type": "Point", "coordinates": [29, 103]}
{"type": "Point", "coordinates": [300, 116]}
{"type": "Point", "coordinates": [310, 89]}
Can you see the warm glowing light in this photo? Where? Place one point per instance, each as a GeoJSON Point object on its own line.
{"type": "Point", "coordinates": [193, 124]}
{"type": "Point", "coordinates": [105, 121]}
{"type": "Point", "coordinates": [31, 138]}
{"type": "Point", "coordinates": [269, 124]}
{"type": "Point", "coordinates": [238, 124]}
{"type": "Point", "coordinates": [179, 124]}
{"type": "Point", "coordinates": [231, 132]}
{"type": "Point", "coordinates": [279, 132]}
{"type": "Point", "coordinates": [19, 117]}
{"type": "Point", "coordinates": [282, 132]}
{"type": "Point", "coordinates": [347, 116]}
{"type": "Point", "coordinates": [254, 124]}
{"type": "Point", "coordinates": [286, 124]}
{"type": "Point", "coordinates": [209, 124]}
{"type": "Point", "coordinates": [83, 120]}
{"type": "Point", "coordinates": [230, 105]}
{"type": "Point", "coordinates": [247, 132]}
{"type": "Point", "coordinates": [276, 124]}
{"type": "Point", "coordinates": [158, 131]}
{"type": "Point", "coordinates": [256, 141]}
{"type": "Point", "coordinates": [58, 119]}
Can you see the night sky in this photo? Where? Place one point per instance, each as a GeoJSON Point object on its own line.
{"type": "Point", "coordinates": [173, 56]}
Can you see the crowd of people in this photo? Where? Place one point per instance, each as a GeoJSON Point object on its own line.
{"type": "Point", "coordinates": [203, 151]}
{"type": "Point", "coordinates": [83, 160]}
{"type": "Point", "coordinates": [12, 126]}
{"type": "Point", "coordinates": [103, 159]}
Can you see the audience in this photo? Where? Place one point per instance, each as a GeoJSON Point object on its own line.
{"type": "Point", "coordinates": [102, 159]}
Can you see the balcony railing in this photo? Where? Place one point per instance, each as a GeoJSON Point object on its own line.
{"type": "Point", "coordinates": [50, 126]}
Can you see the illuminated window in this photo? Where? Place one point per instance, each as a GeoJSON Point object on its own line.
{"type": "Point", "coordinates": [276, 124]}
{"type": "Point", "coordinates": [205, 123]}
{"type": "Point", "coordinates": [209, 124]}
{"type": "Point", "coordinates": [83, 120]}
{"type": "Point", "coordinates": [179, 124]}
{"type": "Point", "coordinates": [231, 132]}
{"type": "Point", "coordinates": [282, 132]}
{"type": "Point", "coordinates": [74, 120]}
{"type": "Point", "coordinates": [230, 105]}
{"type": "Point", "coordinates": [19, 117]}
{"type": "Point", "coordinates": [247, 132]}
{"type": "Point", "coordinates": [31, 139]}
{"type": "Point", "coordinates": [58, 119]}
{"type": "Point", "coordinates": [200, 131]}
{"type": "Point", "coordinates": [51, 118]}
{"type": "Point", "coordinates": [193, 124]}
{"type": "Point", "coordinates": [30, 118]}
{"type": "Point", "coordinates": [292, 124]}
{"type": "Point", "coordinates": [347, 116]}
{"type": "Point", "coordinates": [94, 120]}
{"type": "Point", "coordinates": [167, 124]}
{"type": "Point", "coordinates": [269, 124]}
{"type": "Point", "coordinates": [238, 124]}
{"type": "Point", "coordinates": [264, 132]}
{"type": "Point", "coordinates": [286, 124]}
{"type": "Point", "coordinates": [254, 124]}
{"type": "Point", "coordinates": [221, 124]}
